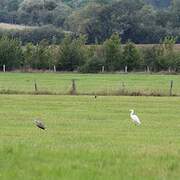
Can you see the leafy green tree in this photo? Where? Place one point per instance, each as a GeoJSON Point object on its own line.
{"type": "Point", "coordinates": [164, 18]}
{"type": "Point", "coordinates": [78, 21]}
{"type": "Point", "coordinates": [167, 45]}
{"type": "Point", "coordinates": [29, 55]}
{"type": "Point", "coordinates": [38, 12]}
{"type": "Point", "coordinates": [161, 56]}
{"type": "Point", "coordinates": [113, 53]}
{"type": "Point", "coordinates": [10, 53]}
{"type": "Point", "coordinates": [131, 56]}
{"type": "Point", "coordinates": [38, 56]}
{"type": "Point", "coordinates": [72, 54]}
{"type": "Point", "coordinates": [119, 17]}
{"type": "Point", "coordinates": [61, 14]}
{"type": "Point", "coordinates": [176, 62]}
{"type": "Point", "coordinates": [166, 55]}
{"type": "Point", "coordinates": [150, 55]}
{"type": "Point", "coordinates": [175, 10]}
{"type": "Point", "coordinates": [43, 56]}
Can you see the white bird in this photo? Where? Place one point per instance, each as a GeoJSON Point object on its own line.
{"type": "Point", "coordinates": [134, 117]}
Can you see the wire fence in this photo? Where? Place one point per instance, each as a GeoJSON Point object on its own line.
{"type": "Point", "coordinates": [88, 84]}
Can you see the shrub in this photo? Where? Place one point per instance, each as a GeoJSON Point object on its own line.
{"type": "Point", "coordinates": [93, 65]}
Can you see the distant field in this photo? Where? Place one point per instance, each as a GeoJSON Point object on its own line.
{"type": "Point", "coordinates": [89, 83]}
{"type": "Point", "coordinates": [141, 46]}
{"type": "Point", "coordinates": [89, 138]}
{"type": "Point", "coordinates": [7, 26]}
{"type": "Point", "coordinates": [176, 46]}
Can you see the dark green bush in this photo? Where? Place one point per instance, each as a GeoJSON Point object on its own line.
{"type": "Point", "coordinates": [93, 65]}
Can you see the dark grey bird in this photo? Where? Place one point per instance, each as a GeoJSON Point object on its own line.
{"type": "Point", "coordinates": [95, 96]}
{"type": "Point", "coordinates": [40, 124]}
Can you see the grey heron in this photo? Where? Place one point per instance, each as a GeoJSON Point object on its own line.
{"type": "Point", "coordinates": [40, 124]}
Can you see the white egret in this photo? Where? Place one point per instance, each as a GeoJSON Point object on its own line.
{"type": "Point", "coordinates": [134, 117]}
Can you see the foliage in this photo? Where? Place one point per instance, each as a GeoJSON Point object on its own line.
{"type": "Point", "coordinates": [93, 65]}
{"type": "Point", "coordinates": [113, 53]}
{"type": "Point", "coordinates": [131, 56]}
{"type": "Point", "coordinates": [79, 20]}
{"type": "Point", "coordinates": [36, 35]}
{"type": "Point", "coordinates": [150, 56]}
{"type": "Point", "coordinates": [71, 55]}
{"type": "Point", "coordinates": [11, 53]}
{"type": "Point", "coordinates": [141, 21]}
{"type": "Point", "coordinates": [159, 3]}
{"type": "Point", "coordinates": [29, 55]}
{"type": "Point", "coordinates": [38, 57]}
{"type": "Point", "coordinates": [166, 55]}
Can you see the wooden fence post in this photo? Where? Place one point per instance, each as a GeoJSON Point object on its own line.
{"type": "Point", "coordinates": [35, 86]}
{"type": "Point", "coordinates": [171, 88]}
{"type": "Point", "coordinates": [73, 90]}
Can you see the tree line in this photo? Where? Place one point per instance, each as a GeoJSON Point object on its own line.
{"type": "Point", "coordinates": [74, 55]}
{"type": "Point", "coordinates": [35, 35]}
{"type": "Point", "coordinates": [141, 21]}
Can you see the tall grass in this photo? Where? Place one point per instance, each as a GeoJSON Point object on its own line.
{"type": "Point", "coordinates": [89, 138]}
{"type": "Point", "coordinates": [89, 84]}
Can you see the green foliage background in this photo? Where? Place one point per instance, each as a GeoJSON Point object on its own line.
{"type": "Point", "coordinates": [141, 21]}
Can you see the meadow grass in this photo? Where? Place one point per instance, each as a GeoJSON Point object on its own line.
{"type": "Point", "coordinates": [88, 138]}
{"type": "Point", "coordinates": [110, 84]}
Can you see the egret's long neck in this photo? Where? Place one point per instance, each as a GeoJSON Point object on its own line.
{"type": "Point", "coordinates": [132, 112]}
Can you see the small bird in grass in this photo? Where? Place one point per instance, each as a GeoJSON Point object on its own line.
{"type": "Point", "coordinates": [134, 117]}
{"type": "Point", "coordinates": [39, 124]}
{"type": "Point", "coordinates": [95, 96]}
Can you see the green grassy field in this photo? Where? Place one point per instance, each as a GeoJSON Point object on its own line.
{"type": "Point", "coordinates": [88, 138]}
{"type": "Point", "coordinates": [89, 83]}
